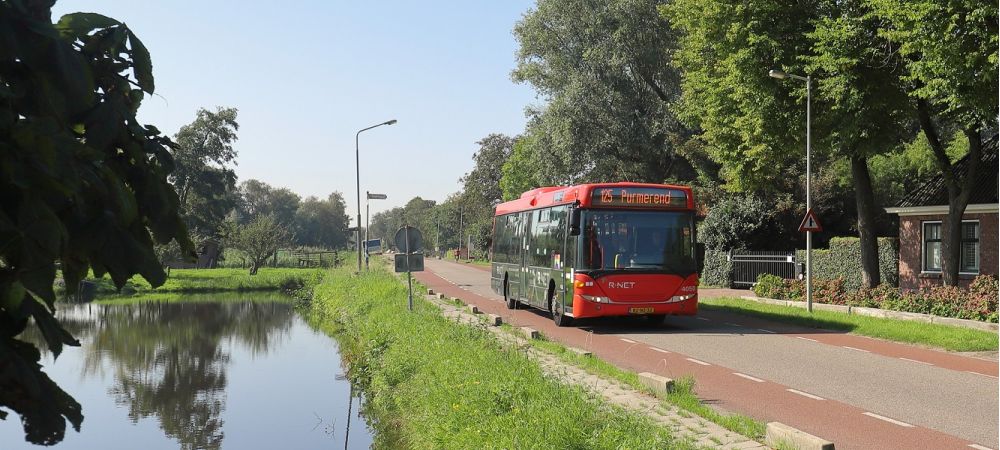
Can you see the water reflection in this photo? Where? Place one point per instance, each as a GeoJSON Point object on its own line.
{"type": "Point", "coordinates": [168, 363]}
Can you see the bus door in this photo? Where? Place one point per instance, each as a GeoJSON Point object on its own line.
{"type": "Point", "coordinates": [524, 258]}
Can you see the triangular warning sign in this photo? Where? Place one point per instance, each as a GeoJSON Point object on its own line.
{"type": "Point", "coordinates": [810, 222]}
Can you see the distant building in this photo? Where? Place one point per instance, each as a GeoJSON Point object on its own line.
{"type": "Point", "coordinates": [922, 214]}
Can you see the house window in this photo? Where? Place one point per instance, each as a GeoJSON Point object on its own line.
{"type": "Point", "coordinates": [932, 246]}
{"type": "Point", "coordinates": [970, 247]}
{"type": "Point", "coordinates": [969, 255]}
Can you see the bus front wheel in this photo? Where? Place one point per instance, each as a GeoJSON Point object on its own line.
{"type": "Point", "coordinates": [559, 313]}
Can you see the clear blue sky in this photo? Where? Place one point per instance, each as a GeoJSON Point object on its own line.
{"type": "Point", "coordinates": [306, 76]}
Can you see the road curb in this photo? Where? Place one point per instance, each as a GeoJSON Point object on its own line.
{"type": "Point", "coordinates": [779, 433]}
{"type": "Point", "coordinates": [658, 383]}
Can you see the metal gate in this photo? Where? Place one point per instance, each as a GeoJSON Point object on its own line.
{"type": "Point", "coordinates": [748, 265]}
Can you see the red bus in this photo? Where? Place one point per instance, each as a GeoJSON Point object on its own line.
{"type": "Point", "coordinates": [592, 250]}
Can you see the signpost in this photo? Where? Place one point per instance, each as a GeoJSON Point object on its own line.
{"type": "Point", "coordinates": [810, 224]}
{"type": "Point", "coordinates": [410, 241]}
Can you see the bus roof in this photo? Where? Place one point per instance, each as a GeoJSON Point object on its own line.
{"type": "Point", "coordinates": [604, 195]}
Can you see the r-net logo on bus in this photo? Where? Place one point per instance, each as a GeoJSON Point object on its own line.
{"type": "Point", "coordinates": [639, 197]}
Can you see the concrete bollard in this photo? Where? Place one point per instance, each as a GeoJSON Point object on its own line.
{"type": "Point", "coordinates": [430, 292]}
{"type": "Point", "coordinates": [494, 320]}
{"type": "Point", "coordinates": [779, 433]}
{"type": "Point", "coordinates": [473, 309]}
{"type": "Point", "coordinates": [531, 333]}
{"type": "Point", "coordinates": [658, 383]}
{"type": "Point", "coordinates": [579, 351]}
{"type": "Point", "coordinates": [440, 296]}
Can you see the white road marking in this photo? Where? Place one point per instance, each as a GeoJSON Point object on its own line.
{"type": "Point", "coordinates": [805, 339]}
{"type": "Point", "coordinates": [766, 331]}
{"type": "Point", "coordinates": [658, 350]}
{"type": "Point", "coordinates": [698, 362]}
{"type": "Point", "coordinates": [918, 362]}
{"type": "Point", "coordinates": [857, 349]}
{"type": "Point", "coordinates": [702, 318]}
{"type": "Point", "coordinates": [805, 394]}
{"type": "Point", "coordinates": [983, 374]}
{"type": "Point", "coordinates": [628, 340]}
{"type": "Point", "coordinates": [743, 375]}
{"type": "Point", "coordinates": [902, 424]}
{"type": "Point", "coordinates": [979, 447]}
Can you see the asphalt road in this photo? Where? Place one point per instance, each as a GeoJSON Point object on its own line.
{"type": "Point", "coordinates": [855, 391]}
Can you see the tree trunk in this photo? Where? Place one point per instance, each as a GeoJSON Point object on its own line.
{"type": "Point", "coordinates": [959, 190]}
{"type": "Point", "coordinates": [865, 198]}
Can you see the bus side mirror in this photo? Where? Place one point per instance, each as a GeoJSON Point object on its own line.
{"type": "Point", "coordinates": [574, 222]}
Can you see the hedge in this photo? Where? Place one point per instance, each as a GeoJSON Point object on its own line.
{"type": "Point", "coordinates": [979, 302]}
{"type": "Point", "coordinates": [843, 260]}
{"type": "Point", "coordinates": [717, 270]}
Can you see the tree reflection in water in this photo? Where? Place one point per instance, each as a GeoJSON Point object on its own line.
{"type": "Point", "coordinates": [168, 359]}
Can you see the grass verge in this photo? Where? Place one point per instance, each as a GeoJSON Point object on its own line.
{"type": "Point", "coordinates": [203, 281]}
{"type": "Point", "coordinates": [431, 383]}
{"type": "Point", "coordinates": [935, 335]}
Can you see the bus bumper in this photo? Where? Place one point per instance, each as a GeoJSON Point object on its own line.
{"type": "Point", "coordinates": [585, 308]}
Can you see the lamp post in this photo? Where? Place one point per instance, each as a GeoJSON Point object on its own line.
{"type": "Point", "coordinates": [368, 198]}
{"type": "Point", "coordinates": [781, 76]}
{"type": "Point", "coordinates": [357, 166]}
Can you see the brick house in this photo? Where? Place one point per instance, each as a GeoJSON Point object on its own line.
{"type": "Point", "coordinates": [921, 217]}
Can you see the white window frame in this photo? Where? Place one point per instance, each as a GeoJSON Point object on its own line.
{"type": "Point", "coordinates": [923, 247]}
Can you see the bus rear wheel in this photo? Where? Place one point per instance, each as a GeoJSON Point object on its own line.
{"type": "Point", "coordinates": [510, 301]}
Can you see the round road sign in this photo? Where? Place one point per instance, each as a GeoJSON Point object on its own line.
{"type": "Point", "coordinates": [408, 239]}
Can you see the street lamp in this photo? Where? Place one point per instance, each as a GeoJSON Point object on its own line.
{"type": "Point", "coordinates": [369, 196]}
{"type": "Point", "coordinates": [781, 76]}
{"type": "Point", "coordinates": [357, 166]}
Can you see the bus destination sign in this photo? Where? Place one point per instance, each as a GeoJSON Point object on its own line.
{"type": "Point", "coordinates": [652, 198]}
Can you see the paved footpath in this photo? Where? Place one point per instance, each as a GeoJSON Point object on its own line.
{"type": "Point", "coordinates": [855, 391]}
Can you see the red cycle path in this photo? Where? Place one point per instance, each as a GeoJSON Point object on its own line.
{"type": "Point", "coordinates": [847, 426]}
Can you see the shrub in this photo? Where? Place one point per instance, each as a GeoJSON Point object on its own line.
{"type": "Point", "coordinates": [769, 286]}
{"type": "Point", "coordinates": [843, 260]}
{"type": "Point", "coordinates": [717, 270]}
{"type": "Point", "coordinates": [739, 222]}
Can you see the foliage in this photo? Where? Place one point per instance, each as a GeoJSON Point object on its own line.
{"type": "Point", "coordinates": [260, 199]}
{"type": "Point", "coordinates": [322, 223]}
{"type": "Point", "coordinates": [605, 71]}
{"type": "Point", "coordinates": [717, 269]}
{"type": "Point", "coordinates": [740, 222]}
{"type": "Point", "coordinates": [204, 281]}
{"type": "Point", "coordinates": [769, 286]}
{"type": "Point", "coordinates": [943, 336]}
{"type": "Point", "coordinates": [481, 187]}
{"type": "Point", "coordinates": [843, 260]}
{"type": "Point", "coordinates": [83, 183]}
{"type": "Point", "coordinates": [519, 172]}
{"type": "Point", "coordinates": [204, 181]}
{"type": "Point", "coordinates": [432, 383]}
{"type": "Point", "coordinates": [979, 302]}
{"type": "Point", "coordinates": [258, 240]}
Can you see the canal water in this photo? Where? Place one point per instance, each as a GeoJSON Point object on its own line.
{"type": "Point", "coordinates": [221, 372]}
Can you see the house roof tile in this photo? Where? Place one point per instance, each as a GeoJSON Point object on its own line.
{"type": "Point", "coordinates": [934, 192]}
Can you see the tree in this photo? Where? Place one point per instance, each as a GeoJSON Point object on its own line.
{"type": "Point", "coordinates": [482, 187]}
{"type": "Point", "coordinates": [605, 70]}
{"type": "Point", "coordinates": [749, 121]}
{"type": "Point", "coordinates": [259, 239]}
{"type": "Point", "coordinates": [204, 181]}
{"type": "Point", "coordinates": [519, 173]}
{"type": "Point", "coordinates": [949, 57]}
{"type": "Point", "coordinates": [322, 223]}
{"type": "Point", "coordinates": [260, 199]}
{"type": "Point", "coordinates": [83, 184]}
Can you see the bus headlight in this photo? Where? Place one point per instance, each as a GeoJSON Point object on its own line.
{"type": "Point", "coordinates": [596, 298]}
{"type": "Point", "coordinates": [680, 298]}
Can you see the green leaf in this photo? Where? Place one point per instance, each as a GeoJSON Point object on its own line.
{"type": "Point", "coordinates": [143, 65]}
{"type": "Point", "coordinates": [79, 24]}
{"type": "Point", "coordinates": [11, 299]}
{"type": "Point", "coordinates": [55, 335]}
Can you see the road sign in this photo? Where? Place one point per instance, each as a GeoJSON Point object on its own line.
{"type": "Point", "coordinates": [413, 262]}
{"type": "Point", "coordinates": [376, 196]}
{"type": "Point", "coordinates": [373, 246]}
{"type": "Point", "coordinates": [810, 223]}
{"type": "Point", "coordinates": [408, 239]}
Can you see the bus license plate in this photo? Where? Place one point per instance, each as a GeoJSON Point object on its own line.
{"type": "Point", "coordinates": [647, 310]}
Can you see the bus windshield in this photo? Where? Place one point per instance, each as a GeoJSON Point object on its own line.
{"type": "Point", "coordinates": [646, 240]}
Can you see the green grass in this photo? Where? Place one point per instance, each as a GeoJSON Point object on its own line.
{"type": "Point", "coordinates": [193, 281]}
{"type": "Point", "coordinates": [431, 383]}
{"type": "Point", "coordinates": [907, 331]}
{"type": "Point", "coordinates": [216, 297]}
